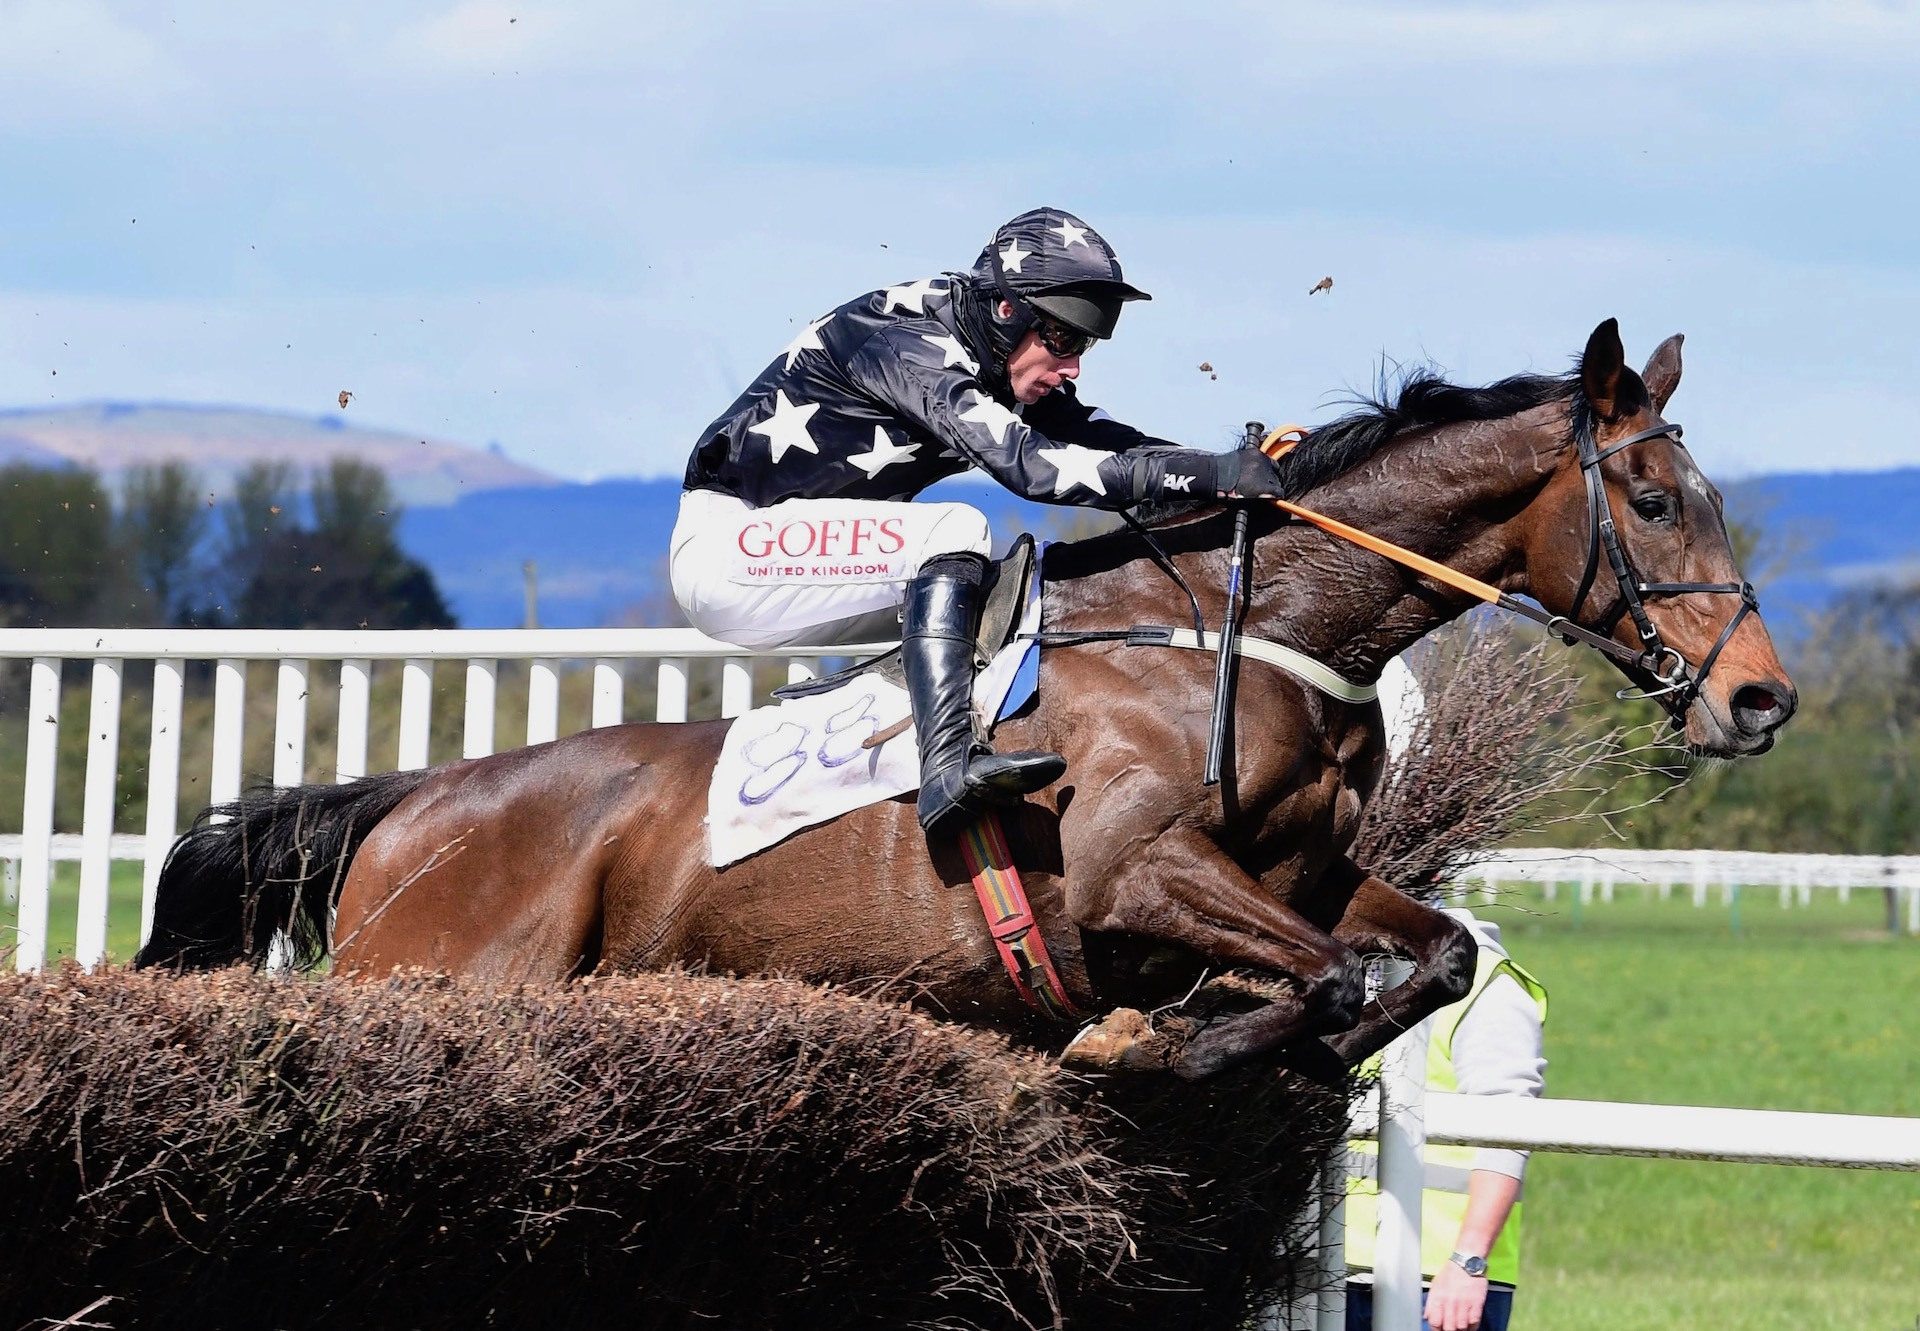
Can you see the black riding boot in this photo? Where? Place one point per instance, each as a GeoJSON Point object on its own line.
{"type": "Point", "coordinates": [959, 776]}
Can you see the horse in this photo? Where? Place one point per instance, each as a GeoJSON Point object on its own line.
{"type": "Point", "coordinates": [587, 853]}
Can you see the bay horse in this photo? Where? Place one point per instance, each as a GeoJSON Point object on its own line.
{"type": "Point", "coordinates": [588, 853]}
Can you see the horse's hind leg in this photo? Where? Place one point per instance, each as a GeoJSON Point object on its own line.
{"type": "Point", "coordinates": [1381, 918]}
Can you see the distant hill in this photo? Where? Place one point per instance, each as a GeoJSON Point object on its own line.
{"type": "Point", "coordinates": [475, 516]}
{"type": "Point", "coordinates": [601, 548]}
{"type": "Point", "coordinates": [1835, 531]}
{"type": "Point", "coordinates": [220, 441]}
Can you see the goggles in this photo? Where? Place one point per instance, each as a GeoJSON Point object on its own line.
{"type": "Point", "coordinates": [1061, 340]}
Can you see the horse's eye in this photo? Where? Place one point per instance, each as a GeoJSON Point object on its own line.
{"type": "Point", "coordinates": [1653, 507]}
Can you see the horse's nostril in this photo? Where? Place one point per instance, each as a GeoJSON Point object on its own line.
{"type": "Point", "coordinates": [1752, 698]}
{"type": "Point", "coordinates": [1759, 708]}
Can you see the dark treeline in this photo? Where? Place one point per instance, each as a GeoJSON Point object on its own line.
{"type": "Point", "coordinates": [321, 551]}
{"type": "Point", "coordinates": [284, 551]}
{"type": "Point", "coordinates": [1841, 779]}
{"type": "Point", "coordinates": [1845, 775]}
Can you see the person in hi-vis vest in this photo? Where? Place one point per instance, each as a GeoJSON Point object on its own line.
{"type": "Point", "coordinates": [1488, 1043]}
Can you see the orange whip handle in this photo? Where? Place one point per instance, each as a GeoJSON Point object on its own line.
{"type": "Point", "coordinates": [1279, 441]}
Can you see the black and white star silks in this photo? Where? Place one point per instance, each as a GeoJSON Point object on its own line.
{"type": "Point", "coordinates": [885, 395]}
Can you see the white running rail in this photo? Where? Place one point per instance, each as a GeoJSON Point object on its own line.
{"type": "Point", "coordinates": [611, 654]}
{"type": "Point", "coordinates": [1405, 1116]}
{"type": "Point", "coordinates": [1595, 874]}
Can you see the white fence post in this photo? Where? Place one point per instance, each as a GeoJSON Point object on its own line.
{"type": "Point", "coordinates": [229, 728]}
{"type": "Point", "coordinates": [163, 782]}
{"type": "Point", "coordinates": [543, 701]}
{"type": "Point", "coordinates": [482, 687]}
{"type": "Point", "coordinates": [356, 692]}
{"type": "Point", "coordinates": [1332, 1312]}
{"type": "Point", "coordinates": [96, 818]}
{"type": "Point", "coordinates": [289, 762]}
{"type": "Point", "coordinates": [670, 690]}
{"type": "Point", "coordinates": [736, 686]}
{"type": "Point", "coordinates": [607, 685]}
{"type": "Point", "coordinates": [290, 723]}
{"type": "Point", "coordinates": [416, 714]}
{"type": "Point", "coordinates": [1403, 1139]}
{"type": "Point", "coordinates": [36, 815]}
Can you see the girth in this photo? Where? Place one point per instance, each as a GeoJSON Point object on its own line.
{"type": "Point", "coordinates": [1302, 667]}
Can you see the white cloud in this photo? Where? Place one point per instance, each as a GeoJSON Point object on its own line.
{"type": "Point", "coordinates": [1609, 41]}
{"type": "Point", "coordinates": [487, 35]}
{"type": "Point", "coordinates": [79, 61]}
{"type": "Point", "coordinates": [610, 215]}
{"type": "Point", "coordinates": [583, 382]}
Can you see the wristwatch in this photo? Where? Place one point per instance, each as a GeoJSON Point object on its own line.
{"type": "Point", "coordinates": [1473, 1266]}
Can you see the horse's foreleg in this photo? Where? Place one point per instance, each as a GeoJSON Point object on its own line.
{"type": "Point", "coordinates": [1381, 918]}
{"type": "Point", "coordinates": [1190, 893]}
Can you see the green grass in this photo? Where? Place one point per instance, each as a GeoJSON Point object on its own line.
{"type": "Point", "coordinates": [63, 912]}
{"type": "Point", "coordinates": [1803, 1008]}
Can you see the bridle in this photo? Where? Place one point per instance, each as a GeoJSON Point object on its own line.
{"type": "Point", "coordinates": [1680, 684]}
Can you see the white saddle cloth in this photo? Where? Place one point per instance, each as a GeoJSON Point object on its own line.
{"type": "Point", "coordinates": [800, 762]}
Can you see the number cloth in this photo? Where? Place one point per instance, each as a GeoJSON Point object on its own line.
{"type": "Point", "coordinates": [802, 761]}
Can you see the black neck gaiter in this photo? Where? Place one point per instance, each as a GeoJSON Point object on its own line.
{"type": "Point", "coordinates": [989, 339]}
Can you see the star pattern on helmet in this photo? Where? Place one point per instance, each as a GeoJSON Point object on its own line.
{"type": "Point", "coordinates": [1013, 256]}
{"type": "Point", "coordinates": [911, 295]}
{"type": "Point", "coordinates": [883, 454]}
{"type": "Point", "coordinates": [952, 353]}
{"type": "Point", "coordinates": [1076, 466]}
{"type": "Point", "coordinates": [1071, 235]}
{"type": "Point", "coordinates": [787, 427]}
{"type": "Point", "coordinates": [807, 339]}
{"type": "Point", "coordinates": [990, 416]}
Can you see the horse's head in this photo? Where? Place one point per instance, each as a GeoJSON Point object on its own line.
{"type": "Point", "coordinates": [1631, 542]}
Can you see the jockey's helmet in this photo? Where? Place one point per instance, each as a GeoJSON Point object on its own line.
{"type": "Point", "coordinates": [1047, 261]}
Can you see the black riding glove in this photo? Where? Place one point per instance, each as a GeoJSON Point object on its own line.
{"type": "Point", "coordinates": [1192, 473]}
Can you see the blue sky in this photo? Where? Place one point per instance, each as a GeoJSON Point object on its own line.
{"type": "Point", "coordinates": [578, 229]}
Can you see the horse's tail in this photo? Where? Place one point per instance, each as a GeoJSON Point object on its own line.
{"type": "Point", "coordinates": [270, 863]}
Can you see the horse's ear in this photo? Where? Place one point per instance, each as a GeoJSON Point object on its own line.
{"type": "Point", "coordinates": [1612, 389]}
{"type": "Point", "coordinates": [1663, 371]}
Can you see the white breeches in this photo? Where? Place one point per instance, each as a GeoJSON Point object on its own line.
{"type": "Point", "coordinates": [808, 572]}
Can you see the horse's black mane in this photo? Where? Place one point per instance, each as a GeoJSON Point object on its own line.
{"type": "Point", "coordinates": [1421, 399]}
{"type": "Point", "coordinates": [1417, 399]}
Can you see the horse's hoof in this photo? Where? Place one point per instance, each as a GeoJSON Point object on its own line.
{"type": "Point", "coordinates": [1122, 1041]}
{"type": "Point", "coordinates": [1314, 1060]}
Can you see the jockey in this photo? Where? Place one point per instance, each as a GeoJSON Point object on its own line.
{"type": "Point", "coordinates": [795, 527]}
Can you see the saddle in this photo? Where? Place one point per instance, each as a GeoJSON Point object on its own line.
{"type": "Point", "coordinates": [1007, 581]}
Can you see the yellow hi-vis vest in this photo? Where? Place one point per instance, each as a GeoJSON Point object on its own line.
{"type": "Point", "coordinates": [1443, 1199]}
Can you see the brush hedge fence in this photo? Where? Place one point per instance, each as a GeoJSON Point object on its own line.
{"type": "Point", "coordinates": [238, 1150]}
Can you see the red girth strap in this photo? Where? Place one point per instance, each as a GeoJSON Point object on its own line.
{"type": "Point", "coordinates": [1003, 900]}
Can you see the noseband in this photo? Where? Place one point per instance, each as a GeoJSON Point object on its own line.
{"type": "Point", "coordinates": [1680, 684]}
